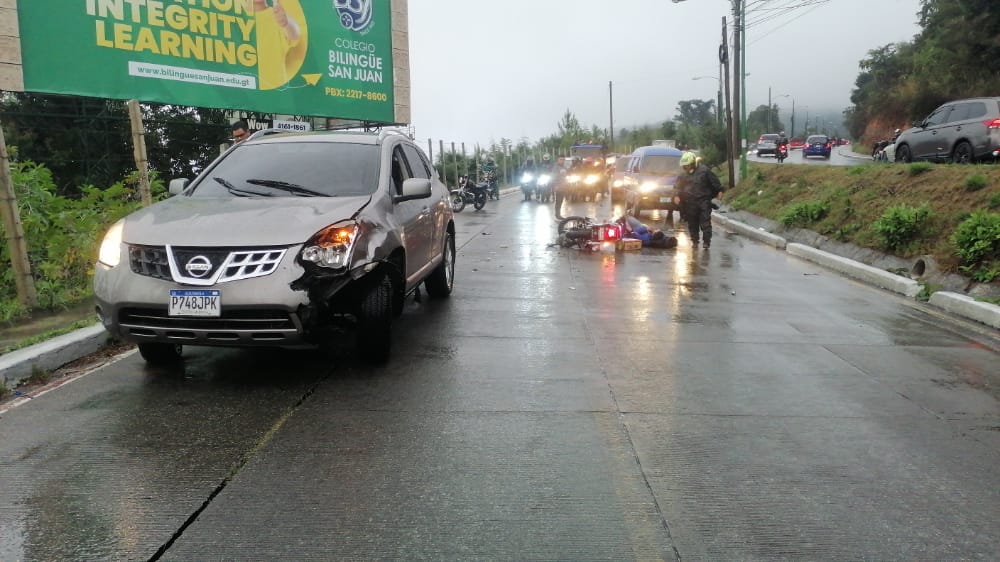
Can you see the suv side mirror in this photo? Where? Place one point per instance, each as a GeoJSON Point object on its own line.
{"type": "Point", "coordinates": [414, 188]}
{"type": "Point", "coordinates": [178, 185]}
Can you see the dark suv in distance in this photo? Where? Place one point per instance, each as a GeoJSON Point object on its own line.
{"type": "Point", "coordinates": [962, 132]}
{"type": "Point", "coordinates": [286, 240]}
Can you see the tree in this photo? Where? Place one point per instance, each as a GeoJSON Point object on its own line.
{"type": "Point", "coordinates": [695, 113]}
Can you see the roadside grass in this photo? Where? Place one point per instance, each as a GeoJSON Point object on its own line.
{"type": "Point", "coordinates": [47, 335]}
{"type": "Point", "coordinates": [856, 197]}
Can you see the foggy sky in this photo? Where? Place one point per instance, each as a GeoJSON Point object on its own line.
{"type": "Point", "coordinates": [483, 70]}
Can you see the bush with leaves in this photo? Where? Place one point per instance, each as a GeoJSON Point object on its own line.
{"type": "Point", "coordinates": [804, 214]}
{"type": "Point", "coordinates": [977, 240]}
{"type": "Point", "coordinates": [62, 235]}
{"type": "Point", "coordinates": [901, 224]}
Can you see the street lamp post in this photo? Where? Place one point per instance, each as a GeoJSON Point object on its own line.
{"type": "Point", "coordinates": [793, 111]}
{"type": "Point", "coordinates": [718, 108]}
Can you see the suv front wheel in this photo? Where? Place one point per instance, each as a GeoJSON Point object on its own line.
{"type": "Point", "coordinates": [375, 321]}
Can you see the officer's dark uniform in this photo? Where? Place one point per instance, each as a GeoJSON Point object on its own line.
{"type": "Point", "coordinates": [696, 192]}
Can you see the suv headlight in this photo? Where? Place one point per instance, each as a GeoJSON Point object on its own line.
{"type": "Point", "coordinates": [331, 247]}
{"type": "Point", "coordinates": [111, 247]}
{"type": "Point", "coordinates": [648, 186]}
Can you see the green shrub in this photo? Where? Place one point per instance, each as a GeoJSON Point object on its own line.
{"type": "Point", "coordinates": [901, 224]}
{"type": "Point", "coordinates": [62, 234]}
{"type": "Point", "coordinates": [857, 170]}
{"type": "Point", "coordinates": [917, 168]}
{"type": "Point", "coordinates": [975, 182]}
{"type": "Point", "coordinates": [977, 238]}
{"type": "Point", "coordinates": [994, 201]}
{"type": "Point", "coordinates": [804, 214]}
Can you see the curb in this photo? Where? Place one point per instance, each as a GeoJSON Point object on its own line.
{"type": "Point", "coordinates": [953, 303]}
{"type": "Point", "coordinates": [49, 355]}
{"type": "Point", "coordinates": [884, 279]}
{"type": "Point", "coordinates": [967, 307]}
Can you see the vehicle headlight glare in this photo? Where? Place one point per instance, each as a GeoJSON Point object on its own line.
{"type": "Point", "coordinates": [573, 179]}
{"type": "Point", "coordinates": [647, 187]}
{"type": "Point", "coordinates": [591, 179]}
{"type": "Point", "coordinates": [331, 247]}
{"type": "Point", "coordinates": [526, 178]}
{"type": "Point", "coordinates": [111, 247]}
{"type": "Point", "coordinates": [544, 179]}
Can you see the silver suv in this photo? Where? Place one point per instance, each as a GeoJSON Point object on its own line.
{"type": "Point", "coordinates": [962, 131]}
{"type": "Point", "coordinates": [284, 241]}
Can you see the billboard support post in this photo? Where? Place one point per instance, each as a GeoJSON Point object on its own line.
{"type": "Point", "coordinates": [139, 150]}
{"type": "Point", "coordinates": [14, 232]}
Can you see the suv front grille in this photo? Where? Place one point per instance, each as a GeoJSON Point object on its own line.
{"type": "Point", "coordinates": [203, 266]}
{"type": "Point", "coordinates": [241, 326]}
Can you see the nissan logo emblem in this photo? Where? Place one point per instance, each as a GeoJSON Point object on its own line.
{"type": "Point", "coordinates": [198, 266]}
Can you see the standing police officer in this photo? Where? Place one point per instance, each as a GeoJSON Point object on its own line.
{"type": "Point", "coordinates": [695, 193]}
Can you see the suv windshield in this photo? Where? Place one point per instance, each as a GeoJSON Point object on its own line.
{"type": "Point", "coordinates": [661, 165]}
{"type": "Point", "coordinates": [293, 169]}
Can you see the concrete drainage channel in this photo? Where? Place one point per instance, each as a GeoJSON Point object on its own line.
{"type": "Point", "coordinates": [952, 303]}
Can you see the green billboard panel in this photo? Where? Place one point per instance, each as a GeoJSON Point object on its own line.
{"type": "Point", "coordinates": [298, 57]}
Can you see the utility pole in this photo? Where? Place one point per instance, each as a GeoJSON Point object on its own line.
{"type": "Point", "coordinates": [737, 83]}
{"type": "Point", "coordinates": [743, 87]}
{"type": "Point", "coordinates": [730, 147]}
{"type": "Point", "coordinates": [770, 117]}
{"type": "Point", "coordinates": [611, 109]}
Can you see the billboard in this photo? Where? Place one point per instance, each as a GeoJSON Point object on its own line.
{"type": "Point", "coordinates": [330, 58]}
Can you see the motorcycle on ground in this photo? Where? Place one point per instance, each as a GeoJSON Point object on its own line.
{"type": "Point", "coordinates": [588, 234]}
{"type": "Point", "coordinates": [468, 192]}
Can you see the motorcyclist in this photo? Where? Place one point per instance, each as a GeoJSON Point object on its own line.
{"type": "Point", "coordinates": [489, 175]}
{"type": "Point", "coordinates": [782, 142]}
{"type": "Point", "coordinates": [529, 175]}
{"type": "Point", "coordinates": [696, 189]}
{"type": "Point", "coordinates": [561, 186]}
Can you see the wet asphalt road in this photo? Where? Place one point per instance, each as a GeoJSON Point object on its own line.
{"type": "Point", "coordinates": [839, 156]}
{"type": "Point", "coordinates": [735, 403]}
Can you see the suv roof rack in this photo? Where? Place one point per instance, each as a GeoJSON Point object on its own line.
{"type": "Point", "coordinates": [266, 132]}
{"type": "Point", "coordinates": [382, 134]}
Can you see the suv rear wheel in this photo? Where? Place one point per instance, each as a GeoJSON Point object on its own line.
{"type": "Point", "coordinates": [375, 321]}
{"type": "Point", "coordinates": [962, 153]}
{"type": "Point", "coordinates": [442, 279]}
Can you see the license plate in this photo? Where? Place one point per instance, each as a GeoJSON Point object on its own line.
{"type": "Point", "coordinates": [195, 303]}
{"type": "Point", "coordinates": [665, 200]}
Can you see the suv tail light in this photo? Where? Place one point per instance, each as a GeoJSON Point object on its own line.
{"type": "Point", "coordinates": [992, 123]}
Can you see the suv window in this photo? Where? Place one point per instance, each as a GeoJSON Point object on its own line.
{"type": "Point", "coordinates": [400, 170]}
{"type": "Point", "coordinates": [817, 138]}
{"type": "Point", "coordinates": [769, 137]}
{"type": "Point", "coordinates": [939, 116]}
{"type": "Point", "coordinates": [977, 109]}
{"type": "Point", "coordinates": [959, 112]}
{"type": "Point", "coordinates": [417, 163]}
{"type": "Point", "coordinates": [330, 169]}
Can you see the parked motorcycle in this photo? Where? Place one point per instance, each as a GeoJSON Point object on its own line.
{"type": "Point", "coordinates": [468, 192]}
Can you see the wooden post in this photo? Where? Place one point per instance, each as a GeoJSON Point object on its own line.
{"type": "Point", "coordinates": [139, 150]}
{"type": "Point", "coordinates": [14, 232]}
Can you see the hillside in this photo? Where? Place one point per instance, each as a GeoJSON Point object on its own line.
{"type": "Point", "coordinates": [845, 203]}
